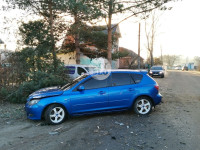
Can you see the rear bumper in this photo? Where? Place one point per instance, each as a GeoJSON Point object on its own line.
{"type": "Point", "coordinates": [157, 99]}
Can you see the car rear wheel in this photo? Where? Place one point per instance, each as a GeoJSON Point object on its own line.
{"type": "Point", "coordinates": [142, 106]}
{"type": "Point", "coordinates": [55, 114]}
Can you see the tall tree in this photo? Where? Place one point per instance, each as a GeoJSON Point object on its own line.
{"type": "Point", "coordinates": [48, 10]}
{"type": "Point", "coordinates": [151, 30]}
{"type": "Point", "coordinates": [36, 37]}
{"type": "Point", "coordinates": [170, 60]}
{"type": "Point", "coordinates": [81, 11]}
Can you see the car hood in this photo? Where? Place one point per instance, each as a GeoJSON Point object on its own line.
{"type": "Point", "coordinates": [46, 92]}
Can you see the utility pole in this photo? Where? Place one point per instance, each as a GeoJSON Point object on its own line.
{"type": "Point", "coordinates": [139, 48]}
{"type": "Point", "coordinates": [161, 56]}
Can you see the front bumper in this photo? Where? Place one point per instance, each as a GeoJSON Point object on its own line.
{"type": "Point", "coordinates": [33, 112]}
{"type": "Point", "coordinates": [156, 74]}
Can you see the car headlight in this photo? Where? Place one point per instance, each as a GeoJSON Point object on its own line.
{"type": "Point", "coordinates": [161, 72]}
{"type": "Point", "coordinates": [150, 72]}
{"type": "Point", "coordinates": [33, 102]}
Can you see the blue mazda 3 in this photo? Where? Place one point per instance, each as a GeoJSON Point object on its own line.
{"type": "Point", "coordinates": [116, 90]}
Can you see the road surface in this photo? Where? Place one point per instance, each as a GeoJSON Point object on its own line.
{"type": "Point", "coordinates": [173, 125]}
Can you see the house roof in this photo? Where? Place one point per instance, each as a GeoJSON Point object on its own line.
{"type": "Point", "coordinates": [131, 53]}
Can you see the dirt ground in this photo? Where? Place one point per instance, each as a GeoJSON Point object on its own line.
{"type": "Point", "coordinates": [173, 125]}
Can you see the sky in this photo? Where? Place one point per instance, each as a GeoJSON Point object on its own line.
{"type": "Point", "coordinates": [178, 32]}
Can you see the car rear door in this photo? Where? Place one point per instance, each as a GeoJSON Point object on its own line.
{"type": "Point", "coordinates": [121, 91]}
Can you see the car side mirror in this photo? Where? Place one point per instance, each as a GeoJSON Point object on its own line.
{"type": "Point", "coordinates": [81, 88]}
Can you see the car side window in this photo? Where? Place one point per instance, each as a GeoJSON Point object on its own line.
{"type": "Point", "coordinates": [70, 69]}
{"type": "Point", "coordinates": [94, 83]}
{"type": "Point", "coordinates": [80, 70]}
{"type": "Point", "coordinates": [120, 79]}
{"type": "Point", "coordinates": [137, 77]}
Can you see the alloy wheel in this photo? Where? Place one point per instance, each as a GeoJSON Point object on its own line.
{"type": "Point", "coordinates": [143, 106]}
{"type": "Point", "coordinates": [57, 115]}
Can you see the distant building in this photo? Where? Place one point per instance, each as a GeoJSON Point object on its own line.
{"type": "Point", "coordinates": [130, 61]}
{"type": "Point", "coordinates": [191, 66]}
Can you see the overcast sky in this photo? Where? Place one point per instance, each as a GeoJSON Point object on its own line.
{"type": "Point", "coordinates": [178, 33]}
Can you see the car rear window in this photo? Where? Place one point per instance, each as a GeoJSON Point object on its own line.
{"type": "Point", "coordinates": [137, 77]}
{"type": "Point", "coordinates": [70, 69]}
{"type": "Point", "coordinates": [120, 79]}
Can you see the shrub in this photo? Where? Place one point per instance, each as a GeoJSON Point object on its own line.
{"type": "Point", "coordinates": [37, 81]}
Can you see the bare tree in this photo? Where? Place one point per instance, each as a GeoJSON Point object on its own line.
{"type": "Point", "coordinates": [170, 60]}
{"type": "Point", "coordinates": [151, 30]}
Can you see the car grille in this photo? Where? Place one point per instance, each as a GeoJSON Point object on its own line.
{"type": "Point", "coordinates": [156, 72]}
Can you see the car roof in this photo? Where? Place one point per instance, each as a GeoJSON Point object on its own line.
{"type": "Point", "coordinates": [79, 65]}
{"type": "Point", "coordinates": [125, 71]}
{"type": "Point", "coordinates": [157, 66]}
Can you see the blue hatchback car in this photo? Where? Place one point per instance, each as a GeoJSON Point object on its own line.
{"type": "Point", "coordinates": [116, 90]}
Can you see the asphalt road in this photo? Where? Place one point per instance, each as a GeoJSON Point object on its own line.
{"type": "Point", "coordinates": [173, 125]}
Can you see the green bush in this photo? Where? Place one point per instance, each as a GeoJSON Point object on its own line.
{"type": "Point", "coordinates": [3, 93]}
{"type": "Point", "coordinates": [32, 67]}
{"type": "Point", "coordinates": [37, 81]}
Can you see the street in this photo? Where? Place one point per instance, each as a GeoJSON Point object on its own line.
{"type": "Point", "coordinates": [172, 125]}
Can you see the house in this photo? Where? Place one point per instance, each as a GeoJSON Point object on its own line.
{"type": "Point", "coordinates": [129, 61]}
{"type": "Point", "coordinates": [90, 54]}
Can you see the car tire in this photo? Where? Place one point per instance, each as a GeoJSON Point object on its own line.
{"type": "Point", "coordinates": [142, 105]}
{"type": "Point", "coordinates": [55, 114]}
{"type": "Point", "coordinates": [162, 76]}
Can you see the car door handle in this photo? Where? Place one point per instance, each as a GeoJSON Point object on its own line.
{"type": "Point", "coordinates": [102, 92]}
{"type": "Point", "coordinates": [131, 89]}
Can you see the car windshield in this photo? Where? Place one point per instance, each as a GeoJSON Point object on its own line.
{"type": "Point", "coordinates": [156, 68]}
{"type": "Point", "coordinates": [75, 81]}
{"type": "Point", "coordinates": [91, 69]}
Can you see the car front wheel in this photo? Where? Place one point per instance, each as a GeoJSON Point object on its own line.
{"type": "Point", "coordinates": [142, 106]}
{"type": "Point", "coordinates": [55, 114]}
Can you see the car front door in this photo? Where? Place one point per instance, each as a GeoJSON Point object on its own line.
{"type": "Point", "coordinates": [121, 91]}
{"type": "Point", "coordinates": [93, 98]}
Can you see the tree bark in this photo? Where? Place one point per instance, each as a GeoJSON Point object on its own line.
{"type": "Point", "coordinates": [77, 41]}
{"type": "Point", "coordinates": [151, 55]}
{"type": "Point", "coordinates": [52, 36]}
{"type": "Point", "coordinates": [110, 34]}
{"type": "Point", "coordinates": [77, 48]}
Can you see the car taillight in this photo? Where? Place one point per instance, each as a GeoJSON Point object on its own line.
{"type": "Point", "coordinates": [157, 87]}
